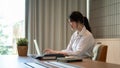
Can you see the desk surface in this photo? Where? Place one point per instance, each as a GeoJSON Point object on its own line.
{"type": "Point", "coordinates": [13, 61]}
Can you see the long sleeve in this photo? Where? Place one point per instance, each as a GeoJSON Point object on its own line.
{"type": "Point", "coordinates": [69, 47]}
{"type": "Point", "coordinates": [80, 44]}
{"type": "Point", "coordinates": [84, 44]}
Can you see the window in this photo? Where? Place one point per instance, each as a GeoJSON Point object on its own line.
{"type": "Point", "coordinates": [12, 24]}
{"type": "Point", "coordinates": [88, 8]}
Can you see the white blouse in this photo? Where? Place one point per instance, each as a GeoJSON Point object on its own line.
{"type": "Point", "coordinates": [81, 44]}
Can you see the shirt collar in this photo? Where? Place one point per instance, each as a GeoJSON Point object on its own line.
{"type": "Point", "coordinates": [82, 31]}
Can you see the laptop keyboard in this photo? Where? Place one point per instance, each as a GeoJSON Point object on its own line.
{"type": "Point", "coordinates": [50, 64]}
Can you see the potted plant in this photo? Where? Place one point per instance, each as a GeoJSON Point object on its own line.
{"type": "Point", "coordinates": [22, 46]}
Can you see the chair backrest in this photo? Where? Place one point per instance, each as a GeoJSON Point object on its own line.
{"type": "Point", "coordinates": [100, 52]}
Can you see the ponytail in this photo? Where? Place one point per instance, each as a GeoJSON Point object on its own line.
{"type": "Point", "coordinates": [86, 23]}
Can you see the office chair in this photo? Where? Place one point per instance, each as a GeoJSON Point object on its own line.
{"type": "Point", "coordinates": [100, 52]}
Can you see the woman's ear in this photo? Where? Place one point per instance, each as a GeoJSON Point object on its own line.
{"type": "Point", "coordinates": [79, 26]}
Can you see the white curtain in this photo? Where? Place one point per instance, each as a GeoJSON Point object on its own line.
{"type": "Point", "coordinates": [47, 22]}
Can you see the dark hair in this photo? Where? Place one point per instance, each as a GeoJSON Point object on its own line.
{"type": "Point", "coordinates": [79, 18]}
{"type": "Point", "coordinates": [76, 16]}
{"type": "Point", "coordinates": [86, 23]}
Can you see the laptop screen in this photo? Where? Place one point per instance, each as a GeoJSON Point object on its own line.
{"type": "Point", "coordinates": [37, 48]}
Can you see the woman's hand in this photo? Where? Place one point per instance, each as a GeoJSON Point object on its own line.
{"type": "Point", "coordinates": [49, 51]}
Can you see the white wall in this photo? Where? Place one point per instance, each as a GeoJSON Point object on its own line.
{"type": "Point", "coordinates": [113, 54]}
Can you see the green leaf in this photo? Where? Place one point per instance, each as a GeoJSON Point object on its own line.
{"type": "Point", "coordinates": [22, 42]}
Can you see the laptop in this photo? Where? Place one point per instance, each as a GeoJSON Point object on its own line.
{"type": "Point", "coordinates": [39, 52]}
{"type": "Point", "coordinates": [44, 56]}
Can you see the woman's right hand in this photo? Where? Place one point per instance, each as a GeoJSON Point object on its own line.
{"type": "Point", "coordinates": [49, 51]}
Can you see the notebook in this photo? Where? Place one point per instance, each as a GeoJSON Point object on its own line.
{"type": "Point", "coordinates": [70, 59]}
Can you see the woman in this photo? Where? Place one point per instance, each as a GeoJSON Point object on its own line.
{"type": "Point", "coordinates": [82, 41]}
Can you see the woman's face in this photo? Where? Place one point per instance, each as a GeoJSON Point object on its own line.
{"type": "Point", "coordinates": [73, 25]}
